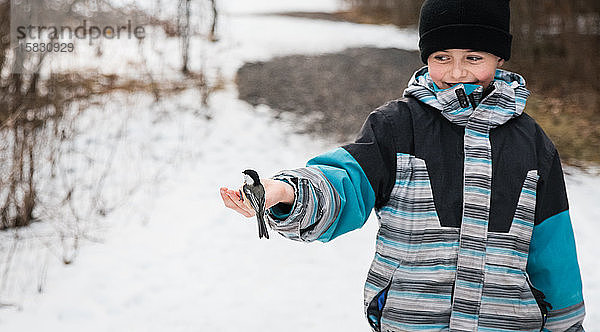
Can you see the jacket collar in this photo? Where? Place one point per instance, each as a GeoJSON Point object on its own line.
{"type": "Point", "coordinates": [462, 102]}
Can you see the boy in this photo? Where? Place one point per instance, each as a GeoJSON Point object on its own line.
{"type": "Point", "coordinates": [474, 231]}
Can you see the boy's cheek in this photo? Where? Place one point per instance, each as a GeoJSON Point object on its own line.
{"type": "Point", "coordinates": [436, 77]}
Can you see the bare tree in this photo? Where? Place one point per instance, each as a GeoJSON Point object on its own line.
{"type": "Point", "coordinates": [212, 35]}
{"type": "Point", "coordinates": [183, 23]}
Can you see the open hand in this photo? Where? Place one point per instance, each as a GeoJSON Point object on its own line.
{"type": "Point", "coordinates": [275, 192]}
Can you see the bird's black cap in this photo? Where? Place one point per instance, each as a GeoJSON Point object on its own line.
{"type": "Point", "coordinates": [252, 173]}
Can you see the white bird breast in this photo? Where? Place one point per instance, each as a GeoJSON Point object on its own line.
{"type": "Point", "coordinates": [248, 180]}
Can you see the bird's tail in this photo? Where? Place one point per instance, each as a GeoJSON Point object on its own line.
{"type": "Point", "coordinates": [262, 226]}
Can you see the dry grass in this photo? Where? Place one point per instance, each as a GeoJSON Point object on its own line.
{"type": "Point", "coordinates": [574, 131]}
{"type": "Point", "coordinates": [375, 16]}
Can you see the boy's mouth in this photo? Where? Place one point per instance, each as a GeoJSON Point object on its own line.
{"type": "Point", "coordinates": [453, 84]}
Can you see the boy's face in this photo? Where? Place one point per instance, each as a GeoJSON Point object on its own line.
{"type": "Point", "coordinates": [452, 66]}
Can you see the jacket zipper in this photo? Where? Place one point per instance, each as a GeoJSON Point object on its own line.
{"type": "Point", "coordinates": [540, 299]}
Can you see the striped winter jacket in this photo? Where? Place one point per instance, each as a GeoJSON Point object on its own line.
{"type": "Point", "coordinates": [474, 233]}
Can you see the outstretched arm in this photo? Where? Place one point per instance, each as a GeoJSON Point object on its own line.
{"type": "Point", "coordinates": [337, 190]}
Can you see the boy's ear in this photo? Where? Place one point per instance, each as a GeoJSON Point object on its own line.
{"type": "Point", "coordinates": [500, 63]}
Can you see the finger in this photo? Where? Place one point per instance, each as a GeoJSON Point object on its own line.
{"type": "Point", "coordinates": [235, 197]}
{"type": "Point", "coordinates": [238, 199]}
{"type": "Point", "coordinates": [244, 201]}
{"type": "Point", "coordinates": [227, 200]}
{"type": "Point", "coordinates": [243, 204]}
{"type": "Point", "coordinates": [230, 203]}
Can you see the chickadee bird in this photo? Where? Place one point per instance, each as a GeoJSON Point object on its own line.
{"type": "Point", "coordinates": [254, 191]}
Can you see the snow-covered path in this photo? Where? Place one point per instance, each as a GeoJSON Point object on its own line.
{"type": "Point", "coordinates": [195, 266]}
{"type": "Point", "coordinates": [177, 260]}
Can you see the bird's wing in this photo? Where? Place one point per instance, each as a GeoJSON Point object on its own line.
{"type": "Point", "coordinates": [261, 199]}
{"type": "Point", "coordinates": [257, 205]}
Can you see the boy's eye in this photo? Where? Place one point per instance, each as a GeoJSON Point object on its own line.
{"type": "Point", "coordinates": [474, 58]}
{"type": "Point", "coordinates": [442, 57]}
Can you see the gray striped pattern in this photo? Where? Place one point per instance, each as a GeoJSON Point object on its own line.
{"type": "Point", "coordinates": [468, 285]}
{"type": "Point", "coordinates": [505, 102]}
{"type": "Point", "coordinates": [507, 300]}
{"type": "Point", "coordinates": [418, 259]}
{"type": "Point", "coordinates": [564, 319]}
{"type": "Point", "coordinates": [316, 207]}
{"type": "Point", "coordinates": [415, 256]}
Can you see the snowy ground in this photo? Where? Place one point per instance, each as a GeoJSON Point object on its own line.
{"type": "Point", "coordinates": [174, 259]}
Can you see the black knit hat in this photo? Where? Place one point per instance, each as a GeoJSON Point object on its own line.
{"type": "Point", "coordinates": [481, 25]}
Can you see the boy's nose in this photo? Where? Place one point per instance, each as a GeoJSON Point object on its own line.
{"type": "Point", "coordinates": [458, 71]}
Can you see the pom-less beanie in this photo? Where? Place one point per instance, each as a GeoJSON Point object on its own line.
{"type": "Point", "coordinates": [480, 25]}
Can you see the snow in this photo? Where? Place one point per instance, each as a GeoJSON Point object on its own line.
{"type": "Point", "coordinates": [584, 193]}
{"type": "Point", "coordinates": [172, 257]}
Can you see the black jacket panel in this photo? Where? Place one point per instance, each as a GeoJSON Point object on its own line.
{"type": "Point", "coordinates": [417, 129]}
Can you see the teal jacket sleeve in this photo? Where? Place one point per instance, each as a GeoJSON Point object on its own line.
{"type": "Point", "coordinates": [337, 190]}
{"type": "Point", "coordinates": [552, 264]}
